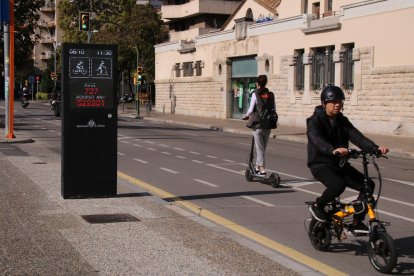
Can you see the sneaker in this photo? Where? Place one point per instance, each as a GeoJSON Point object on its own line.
{"type": "Point", "coordinates": [262, 170]}
{"type": "Point", "coordinates": [359, 228]}
{"type": "Point", "coordinates": [256, 168]}
{"type": "Point", "coordinates": [318, 213]}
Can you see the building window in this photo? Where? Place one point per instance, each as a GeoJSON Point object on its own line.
{"type": "Point", "coordinates": [198, 67]}
{"type": "Point", "coordinates": [188, 69]}
{"type": "Point", "coordinates": [348, 67]}
{"type": "Point", "coordinates": [323, 68]}
{"type": "Point", "coordinates": [267, 66]}
{"type": "Point", "coordinates": [305, 6]}
{"type": "Point", "coordinates": [328, 8]}
{"type": "Point", "coordinates": [316, 9]}
{"type": "Point", "coordinates": [177, 70]}
{"type": "Point", "coordinates": [249, 14]}
{"type": "Point", "coordinates": [299, 70]}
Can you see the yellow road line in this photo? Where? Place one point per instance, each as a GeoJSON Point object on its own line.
{"type": "Point", "coordinates": [293, 254]}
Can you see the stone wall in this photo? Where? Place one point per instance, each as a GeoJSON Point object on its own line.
{"type": "Point", "coordinates": [191, 96]}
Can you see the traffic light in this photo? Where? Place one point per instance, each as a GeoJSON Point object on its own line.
{"type": "Point", "coordinates": [139, 75]}
{"type": "Point", "coordinates": [84, 21]}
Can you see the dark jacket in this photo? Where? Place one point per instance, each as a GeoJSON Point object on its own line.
{"type": "Point", "coordinates": [264, 98]}
{"type": "Point", "coordinates": [323, 138]}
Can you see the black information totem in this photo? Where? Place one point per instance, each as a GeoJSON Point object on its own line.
{"type": "Point", "coordinates": [89, 120]}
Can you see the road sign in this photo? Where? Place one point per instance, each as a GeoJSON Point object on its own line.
{"type": "Point", "coordinates": [4, 11]}
{"type": "Point", "coordinates": [89, 120]}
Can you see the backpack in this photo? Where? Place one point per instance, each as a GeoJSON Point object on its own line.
{"type": "Point", "coordinates": [269, 117]}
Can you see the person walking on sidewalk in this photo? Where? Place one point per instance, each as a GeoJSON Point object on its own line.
{"type": "Point", "coordinates": [329, 133]}
{"type": "Point", "coordinates": [261, 98]}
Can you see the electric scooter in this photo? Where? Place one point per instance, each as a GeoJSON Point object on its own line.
{"type": "Point", "coordinates": [253, 176]}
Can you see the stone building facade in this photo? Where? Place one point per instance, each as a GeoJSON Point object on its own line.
{"type": "Point", "coordinates": [302, 45]}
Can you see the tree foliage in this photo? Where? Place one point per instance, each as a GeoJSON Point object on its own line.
{"type": "Point", "coordinates": [25, 18]}
{"type": "Point", "coordinates": [122, 22]}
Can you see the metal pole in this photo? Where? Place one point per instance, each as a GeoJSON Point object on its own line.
{"type": "Point", "coordinates": [11, 102]}
{"type": "Point", "coordinates": [136, 87]}
{"type": "Point", "coordinates": [6, 77]}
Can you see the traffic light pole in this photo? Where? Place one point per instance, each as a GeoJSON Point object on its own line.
{"type": "Point", "coordinates": [137, 116]}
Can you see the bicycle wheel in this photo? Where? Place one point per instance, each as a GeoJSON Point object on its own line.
{"type": "Point", "coordinates": [319, 235]}
{"type": "Point", "coordinates": [382, 252]}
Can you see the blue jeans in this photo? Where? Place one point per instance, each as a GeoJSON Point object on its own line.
{"type": "Point", "coordinates": [261, 137]}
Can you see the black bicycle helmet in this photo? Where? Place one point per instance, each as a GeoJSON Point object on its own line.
{"type": "Point", "coordinates": [332, 93]}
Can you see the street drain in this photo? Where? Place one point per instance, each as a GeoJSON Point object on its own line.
{"type": "Point", "coordinates": [109, 218]}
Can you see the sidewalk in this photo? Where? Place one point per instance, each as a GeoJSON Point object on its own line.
{"type": "Point", "coordinates": [399, 146]}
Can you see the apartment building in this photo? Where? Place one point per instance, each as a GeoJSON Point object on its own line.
{"type": "Point", "coordinates": [363, 46]}
{"type": "Point", "coordinates": [51, 35]}
{"type": "Point", "coordinates": [187, 19]}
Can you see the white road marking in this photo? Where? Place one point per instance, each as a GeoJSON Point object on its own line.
{"type": "Point", "coordinates": [120, 153]}
{"type": "Point", "coordinates": [401, 181]}
{"type": "Point", "coordinates": [125, 142]}
{"type": "Point", "coordinates": [137, 145]}
{"type": "Point", "coordinates": [206, 183]}
{"type": "Point", "coordinates": [162, 145]}
{"type": "Point", "coordinates": [189, 133]}
{"type": "Point", "coordinates": [180, 149]}
{"type": "Point", "coordinates": [381, 198]}
{"type": "Point", "coordinates": [395, 215]}
{"type": "Point", "coordinates": [51, 130]}
{"type": "Point", "coordinates": [301, 184]}
{"type": "Point", "coordinates": [197, 161]}
{"type": "Point", "coordinates": [181, 157]}
{"type": "Point", "coordinates": [164, 152]}
{"type": "Point", "coordinates": [261, 202]}
{"type": "Point", "coordinates": [151, 149]}
{"type": "Point", "coordinates": [149, 142]}
{"type": "Point", "coordinates": [194, 152]}
{"type": "Point", "coordinates": [211, 156]}
{"type": "Point", "coordinates": [168, 170]}
{"type": "Point", "coordinates": [247, 144]}
{"type": "Point", "coordinates": [227, 160]}
{"type": "Point", "coordinates": [141, 161]}
{"type": "Point", "coordinates": [123, 137]}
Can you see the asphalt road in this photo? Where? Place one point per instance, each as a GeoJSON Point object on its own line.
{"type": "Point", "coordinates": [206, 168]}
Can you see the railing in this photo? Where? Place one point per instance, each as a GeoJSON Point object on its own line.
{"type": "Point", "coordinates": [323, 70]}
{"type": "Point", "coordinates": [49, 6]}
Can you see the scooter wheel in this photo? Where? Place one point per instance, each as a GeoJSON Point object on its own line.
{"type": "Point", "coordinates": [274, 180]}
{"type": "Point", "coordinates": [248, 174]}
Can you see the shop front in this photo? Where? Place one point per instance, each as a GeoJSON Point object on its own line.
{"type": "Point", "coordinates": [243, 79]}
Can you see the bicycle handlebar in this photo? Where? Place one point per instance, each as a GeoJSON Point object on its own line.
{"type": "Point", "coordinates": [354, 154]}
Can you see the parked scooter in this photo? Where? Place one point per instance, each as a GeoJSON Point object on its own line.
{"type": "Point", "coordinates": [24, 97]}
{"type": "Point", "coordinates": [126, 98]}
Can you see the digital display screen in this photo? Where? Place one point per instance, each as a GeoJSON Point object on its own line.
{"type": "Point", "coordinates": [91, 78]}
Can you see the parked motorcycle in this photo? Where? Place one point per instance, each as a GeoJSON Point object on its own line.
{"type": "Point", "coordinates": [126, 98]}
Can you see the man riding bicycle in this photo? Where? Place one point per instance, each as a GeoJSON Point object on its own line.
{"type": "Point", "coordinates": [329, 133]}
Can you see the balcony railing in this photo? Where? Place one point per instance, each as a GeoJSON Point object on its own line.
{"type": "Point", "coordinates": [47, 40]}
{"type": "Point", "coordinates": [48, 7]}
{"type": "Point", "coordinates": [48, 24]}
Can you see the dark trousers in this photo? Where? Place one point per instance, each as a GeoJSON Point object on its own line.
{"type": "Point", "coordinates": [336, 180]}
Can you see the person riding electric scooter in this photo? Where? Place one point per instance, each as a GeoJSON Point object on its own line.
{"type": "Point", "coordinates": [262, 102]}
